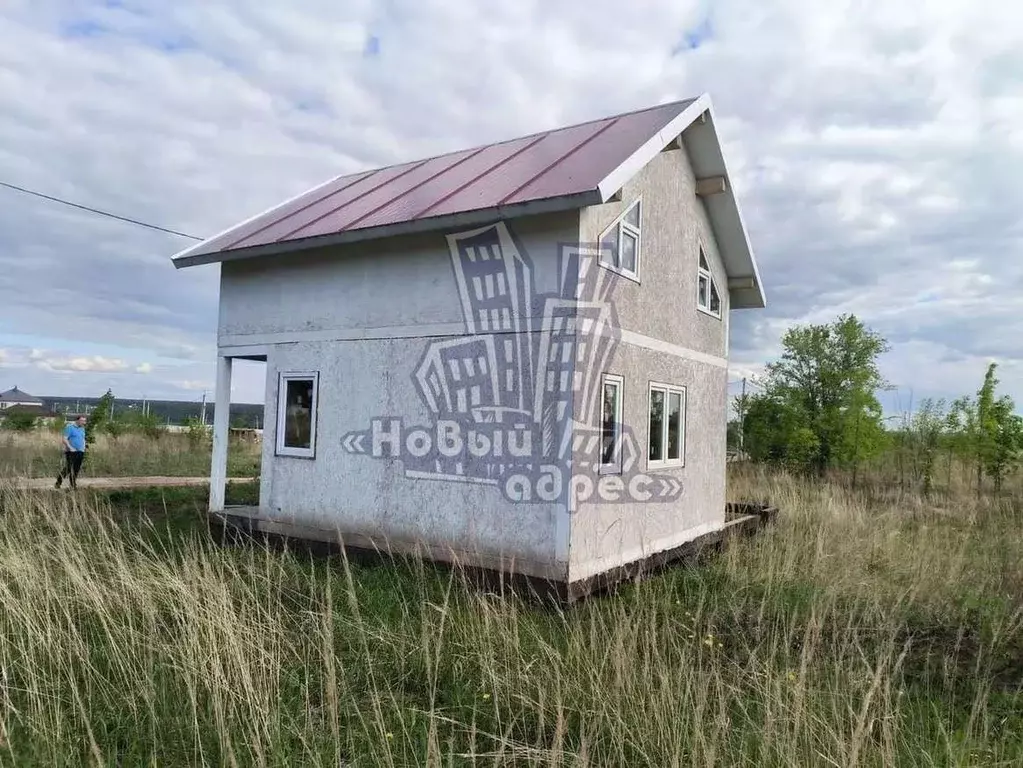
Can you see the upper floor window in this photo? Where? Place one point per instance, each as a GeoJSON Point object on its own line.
{"type": "Point", "coordinates": [620, 243]}
{"type": "Point", "coordinates": [707, 297]}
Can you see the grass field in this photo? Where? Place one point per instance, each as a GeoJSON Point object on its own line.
{"type": "Point", "coordinates": [38, 454]}
{"type": "Point", "coordinates": [854, 632]}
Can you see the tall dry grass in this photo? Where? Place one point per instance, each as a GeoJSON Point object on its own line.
{"type": "Point", "coordinates": [39, 454]}
{"type": "Point", "coordinates": [850, 634]}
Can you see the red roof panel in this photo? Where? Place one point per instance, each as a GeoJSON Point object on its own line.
{"type": "Point", "coordinates": [605, 151]}
{"type": "Point", "coordinates": [423, 200]}
{"type": "Point", "coordinates": [557, 163]}
{"type": "Point", "coordinates": [493, 189]}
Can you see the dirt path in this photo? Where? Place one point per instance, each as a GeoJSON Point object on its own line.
{"type": "Point", "coordinates": [42, 483]}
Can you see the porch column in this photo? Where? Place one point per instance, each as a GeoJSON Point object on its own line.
{"type": "Point", "coordinates": [221, 422]}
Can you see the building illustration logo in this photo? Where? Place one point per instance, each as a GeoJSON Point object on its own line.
{"type": "Point", "coordinates": [519, 401]}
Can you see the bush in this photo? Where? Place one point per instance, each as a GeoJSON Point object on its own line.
{"type": "Point", "coordinates": [19, 422]}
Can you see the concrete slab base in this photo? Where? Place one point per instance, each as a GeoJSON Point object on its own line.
{"type": "Point", "coordinates": [236, 526]}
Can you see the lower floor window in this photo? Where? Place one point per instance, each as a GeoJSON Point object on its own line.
{"type": "Point", "coordinates": [296, 414]}
{"type": "Point", "coordinates": [611, 424]}
{"type": "Point", "coordinates": [667, 425]}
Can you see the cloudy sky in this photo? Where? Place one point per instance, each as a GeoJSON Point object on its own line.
{"type": "Point", "coordinates": [877, 149]}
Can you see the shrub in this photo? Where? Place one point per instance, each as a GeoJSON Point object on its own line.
{"type": "Point", "coordinates": [19, 422]}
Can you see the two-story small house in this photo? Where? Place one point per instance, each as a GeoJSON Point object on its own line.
{"type": "Point", "coordinates": [512, 356]}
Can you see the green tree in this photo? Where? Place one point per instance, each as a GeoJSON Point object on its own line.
{"type": "Point", "coordinates": [137, 422]}
{"type": "Point", "coordinates": [990, 438]}
{"type": "Point", "coordinates": [820, 408]}
{"type": "Point", "coordinates": [1000, 436]}
{"type": "Point", "coordinates": [929, 425]}
{"type": "Point", "coordinates": [99, 419]}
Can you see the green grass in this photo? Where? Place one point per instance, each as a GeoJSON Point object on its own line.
{"type": "Point", "coordinates": [38, 454]}
{"type": "Point", "coordinates": [849, 634]}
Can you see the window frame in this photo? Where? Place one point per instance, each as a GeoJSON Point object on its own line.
{"type": "Point", "coordinates": [635, 231]}
{"type": "Point", "coordinates": [280, 449]}
{"type": "Point", "coordinates": [667, 390]}
{"type": "Point", "coordinates": [701, 274]}
{"type": "Point", "coordinates": [615, 467]}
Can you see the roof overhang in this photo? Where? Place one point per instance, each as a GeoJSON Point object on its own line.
{"type": "Point", "coordinates": [188, 257]}
{"type": "Point", "coordinates": [693, 128]}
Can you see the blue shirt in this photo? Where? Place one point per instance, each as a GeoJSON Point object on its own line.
{"type": "Point", "coordinates": [75, 436]}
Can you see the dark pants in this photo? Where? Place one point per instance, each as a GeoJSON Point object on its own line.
{"type": "Point", "coordinates": [72, 466]}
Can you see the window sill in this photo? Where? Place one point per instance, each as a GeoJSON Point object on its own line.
{"type": "Point", "coordinates": [671, 464]}
{"type": "Point", "coordinates": [633, 276]}
{"type": "Point", "coordinates": [715, 315]}
{"type": "Point", "coordinates": [295, 453]}
{"type": "Point", "coordinates": [609, 469]}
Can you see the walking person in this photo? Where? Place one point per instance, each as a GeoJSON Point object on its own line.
{"type": "Point", "coordinates": [73, 442]}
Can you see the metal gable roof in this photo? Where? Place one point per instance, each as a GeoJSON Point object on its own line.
{"type": "Point", "coordinates": [15, 395]}
{"type": "Point", "coordinates": [561, 169]}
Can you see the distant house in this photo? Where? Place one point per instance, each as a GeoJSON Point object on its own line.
{"type": "Point", "coordinates": [14, 397]}
{"type": "Point", "coordinates": [514, 354]}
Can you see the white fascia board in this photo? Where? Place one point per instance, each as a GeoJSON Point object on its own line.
{"type": "Point", "coordinates": [638, 160]}
{"type": "Point", "coordinates": [615, 180]}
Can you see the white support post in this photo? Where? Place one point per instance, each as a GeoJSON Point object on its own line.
{"type": "Point", "coordinates": [221, 422]}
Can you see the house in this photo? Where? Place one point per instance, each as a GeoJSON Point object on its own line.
{"type": "Point", "coordinates": [13, 397]}
{"type": "Point", "coordinates": [513, 356]}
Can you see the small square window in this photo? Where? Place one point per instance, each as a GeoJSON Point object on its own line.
{"type": "Point", "coordinates": [296, 414]}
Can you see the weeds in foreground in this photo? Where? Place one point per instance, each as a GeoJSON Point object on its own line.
{"type": "Point", "coordinates": [38, 454]}
{"type": "Point", "coordinates": [847, 635]}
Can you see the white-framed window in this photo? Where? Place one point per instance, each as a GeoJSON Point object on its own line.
{"type": "Point", "coordinates": [297, 403]}
{"type": "Point", "coordinates": [667, 426]}
{"type": "Point", "coordinates": [707, 298]}
{"type": "Point", "coordinates": [611, 395]}
{"type": "Point", "coordinates": [620, 244]}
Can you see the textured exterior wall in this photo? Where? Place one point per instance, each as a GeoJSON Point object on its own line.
{"type": "Point", "coordinates": [360, 380]}
{"type": "Point", "coordinates": [373, 286]}
{"type": "Point", "coordinates": [663, 307]}
{"type": "Point", "coordinates": [604, 535]}
{"type": "Point", "coordinates": [362, 317]}
{"type": "Point", "coordinates": [674, 225]}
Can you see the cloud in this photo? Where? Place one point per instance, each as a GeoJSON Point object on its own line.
{"type": "Point", "coordinates": [92, 364]}
{"type": "Point", "coordinates": [144, 368]}
{"type": "Point", "coordinates": [193, 385]}
{"type": "Point", "coordinates": [875, 148]}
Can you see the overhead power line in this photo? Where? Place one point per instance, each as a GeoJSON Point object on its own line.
{"type": "Point", "coordinates": [98, 211]}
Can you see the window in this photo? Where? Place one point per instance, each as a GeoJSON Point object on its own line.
{"type": "Point", "coordinates": [620, 244]}
{"type": "Point", "coordinates": [707, 298]}
{"type": "Point", "coordinates": [611, 424]}
{"type": "Point", "coordinates": [296, 414]}
{"type": "Point", "coordinates": [667, 426]}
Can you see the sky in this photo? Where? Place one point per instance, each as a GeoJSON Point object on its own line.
{"type": "Point", "coordinates": [876, 149]}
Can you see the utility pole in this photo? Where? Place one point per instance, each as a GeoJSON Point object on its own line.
{"type": "Point", "coordinates": [202, 417]}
